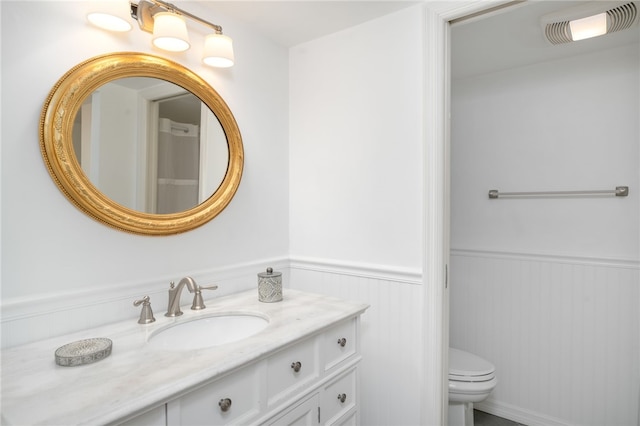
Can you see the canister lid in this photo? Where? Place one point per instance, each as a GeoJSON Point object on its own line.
{"type": "Point", "coordinates": [269, 273]}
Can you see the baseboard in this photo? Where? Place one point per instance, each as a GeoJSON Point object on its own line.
{"type": "Point", "coordinates": [518, 414]}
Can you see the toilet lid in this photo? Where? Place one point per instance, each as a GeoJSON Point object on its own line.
{"type": "Point", "coordinates": [465, 366]}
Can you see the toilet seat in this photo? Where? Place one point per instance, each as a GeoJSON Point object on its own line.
{"type": "Point", "coordinates": [467, 367]}
{"type": "Point", "coordinates": [471, 380]}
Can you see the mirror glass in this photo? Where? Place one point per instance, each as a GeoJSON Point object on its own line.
{"type": "Point", "coordinates": [141, 144]}
{"type": "Point", "coordinates": [150, 145]}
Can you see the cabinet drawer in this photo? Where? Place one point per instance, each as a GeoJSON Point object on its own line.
{"type": "Point", "coordinates": [339, 343]}
{"type": "Point", "coordinates": [282, 377]}
{"type": "Point", "coordinates": [305, 413]}
{"type": "Point", "coordinates": [205, 405]}
{"type": "Point", "coordinates": [338, 397]}
{"type": "Point", "coordinates": [155, 417]}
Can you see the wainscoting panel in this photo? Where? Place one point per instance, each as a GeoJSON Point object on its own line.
{"type": "Point", "coordinates": [562, 332]}
{"type": "Point", "coordinates": [390, 373]}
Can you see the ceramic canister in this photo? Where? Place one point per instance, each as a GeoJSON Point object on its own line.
{"type": "Point", "coordinates": [270, 286]}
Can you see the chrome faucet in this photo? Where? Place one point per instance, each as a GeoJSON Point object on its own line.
{"type": "Point", "coordinates": [173, 310]}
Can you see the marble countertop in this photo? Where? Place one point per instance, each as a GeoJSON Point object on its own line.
{"type": "Point", "coordinates": [35, 390]}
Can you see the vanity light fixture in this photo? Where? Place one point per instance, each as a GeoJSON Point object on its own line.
{"type": "Point", "coordinates": [170, 32]}
{"type": "Point", "coordinates": [113, 16]}
{"type": "Point", "coordinates": [589, 20]}
{"type": "Point", "coordinates": [169, 28]}
{"type": "Point", "coordinates": [218, 51]}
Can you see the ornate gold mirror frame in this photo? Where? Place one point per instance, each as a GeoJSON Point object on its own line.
{"type": "Point", "coordinates": [56, 145]}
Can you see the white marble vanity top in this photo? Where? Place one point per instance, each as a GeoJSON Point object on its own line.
{"type": "Point", "coordinates": [37, 391]}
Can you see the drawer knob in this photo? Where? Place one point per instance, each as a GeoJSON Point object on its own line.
{"type": "Point", "coordinates": [342, 341]}
{"type": "Point", "coordinates": [342, 397]}
{"type": "Point", "coordinates": [224, 404]}
{"type": "Point", "coordinates": [296, 366]}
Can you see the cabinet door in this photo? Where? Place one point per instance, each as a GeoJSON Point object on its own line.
{"type": "Point", "coordinates": [303, 414]}
{"type": "Point", "coordinates": [339, 343]}
{"type": "Point", "coordinates": [291, 370]}
{"type": "Point", "coordinates": [232, 400]}
{"type": "Point", "coordinates": [338, 397]}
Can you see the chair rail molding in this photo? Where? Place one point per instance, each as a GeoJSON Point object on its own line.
{"type": "Point", "coordinates": [611, 262]}
{"type": "Point", "coordinates": [362, 270]}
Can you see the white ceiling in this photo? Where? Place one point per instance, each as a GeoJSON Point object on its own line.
{"type": "Point", "coordinates": [509, 38]}
{"type": "Point", "coordinates": [293, 22]}
{"type": "Point", "coordinates": [514, 38]}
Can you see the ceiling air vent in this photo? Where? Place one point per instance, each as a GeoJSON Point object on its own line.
{"type": "Point", "coordinates": [558, 32]}
{"type": "Point", "coordinates": [621, 17]}
{"type": "Point", "coordinates": [558, 26]}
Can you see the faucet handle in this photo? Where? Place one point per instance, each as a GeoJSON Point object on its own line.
{"type": "Point", "coordinates": [207, 287]}
{"type": "Point", "coordinates": [198, 303]}
{"type": "Point", "coordinates": [146, 315]}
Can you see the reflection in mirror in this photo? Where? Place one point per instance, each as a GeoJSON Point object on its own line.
{"type": "Point", "coordinates": [150, 145]}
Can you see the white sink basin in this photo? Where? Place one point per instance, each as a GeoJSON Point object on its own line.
{"type": "Point", "coordinates": [205, 332]}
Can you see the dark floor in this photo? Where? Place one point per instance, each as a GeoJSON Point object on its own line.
{"type": "Point", "coordinates": [480, 418]}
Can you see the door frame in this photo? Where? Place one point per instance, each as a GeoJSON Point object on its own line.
{"type": "Point", "coordinates": [436, 194]}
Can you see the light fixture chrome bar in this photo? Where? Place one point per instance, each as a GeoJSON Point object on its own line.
{"type": "Point", "coordinates": [172, 8]}
{"type": "Point", "coordinates": [620, 191]}
{"type": "Point", "coordinates": [145, 9]}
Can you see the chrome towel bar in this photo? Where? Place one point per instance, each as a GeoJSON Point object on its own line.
{"type": "Point", "coordinates": [620, 191]}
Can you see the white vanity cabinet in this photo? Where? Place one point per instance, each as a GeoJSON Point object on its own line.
{"type": "Point", "coordinates": [312, 381]}
{"type": "Point", "coordinates": [302, 368]}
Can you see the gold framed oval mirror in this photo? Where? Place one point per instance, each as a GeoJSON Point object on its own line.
{"type": "Point", "coordinates": [130, 166]}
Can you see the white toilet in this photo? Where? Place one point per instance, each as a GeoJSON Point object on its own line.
{"type": "Point", "coordinates": [471, 379]}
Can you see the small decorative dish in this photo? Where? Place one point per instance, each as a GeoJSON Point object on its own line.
{"type": "Point", "coordinates": [83, 352]}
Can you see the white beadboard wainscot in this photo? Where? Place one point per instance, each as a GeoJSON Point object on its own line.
{"type": "Point", "coordinates": [563, 333]}
{"type": "Point", "coordinates": [391, 365]}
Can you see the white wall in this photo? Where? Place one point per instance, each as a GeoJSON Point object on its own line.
{"type": "Point", "coordinates": [570, 124]}
{"type": "Point", "coordinates": [54, 254]}
{"type": "Point", "coordinates": [346, 201]}
{"type": "Point", "coordinates": [355, 183]}
{"type": "Point", "coordinates": [355, 194]}
{"type": "Point", "coordinates": [547, 289]}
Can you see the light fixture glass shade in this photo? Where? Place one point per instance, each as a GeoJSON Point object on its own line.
{"type": "Point", "coordinates": [588, 27]}
{"type": "Point", "coordinates": [170, 32]}
{"type": "Point", "coordinates": [112, 15]}
{"type": "Point", "coordinates": [218, 51]}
